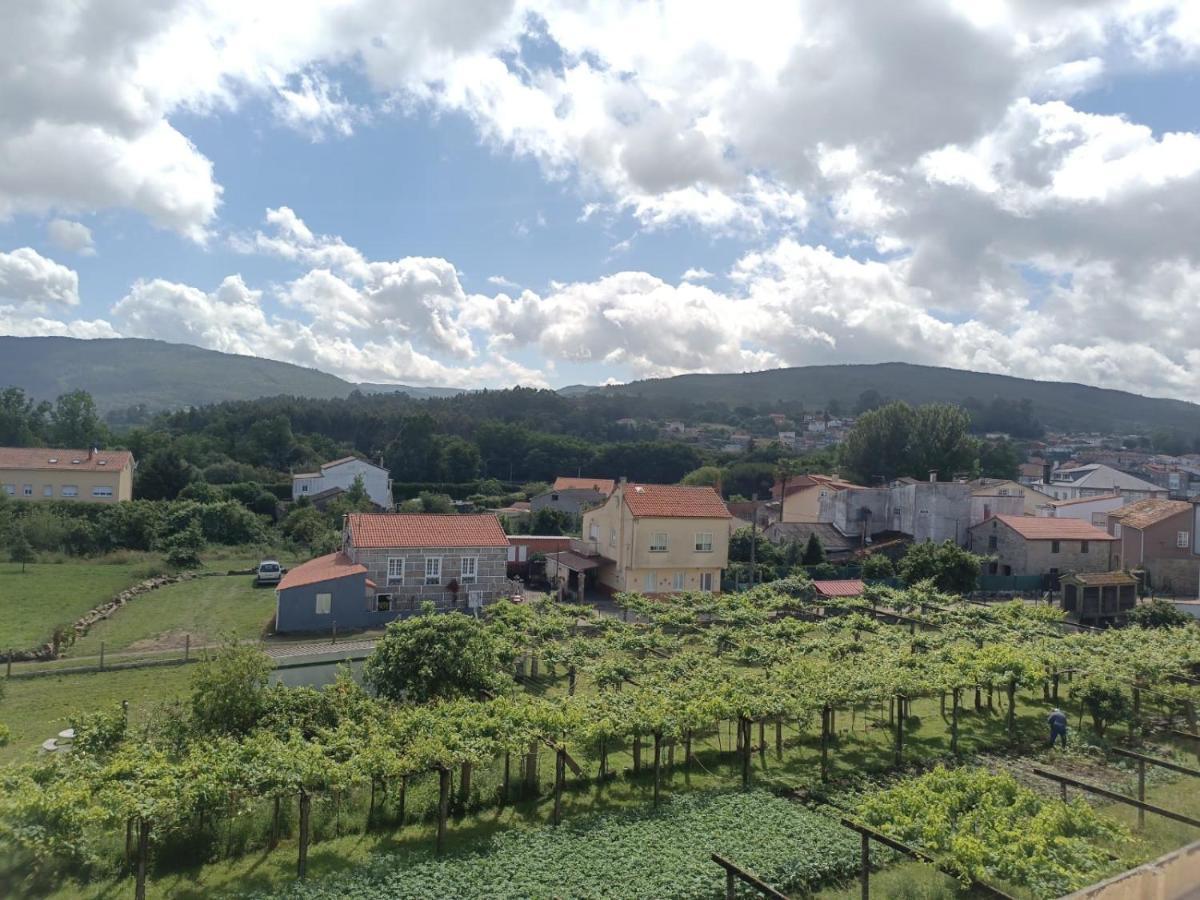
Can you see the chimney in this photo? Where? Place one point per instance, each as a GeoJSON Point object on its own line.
{"type": "Point", "coordinates": [1047, 471]}
{"type": "Point", "coordinates": [932, 475]}
{"type": "Point", "coordinates": [91, 452]}
{"type": "Point", "coordinates": [623, 480]}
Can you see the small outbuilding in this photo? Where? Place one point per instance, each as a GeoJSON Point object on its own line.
{"type": "Point", "coordinates": [323, 591]}
{"type": "Point", "coordinates": [1099, 598]}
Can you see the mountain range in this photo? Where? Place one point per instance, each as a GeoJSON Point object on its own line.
{"type": "Point", "coordinates": [124, 372]}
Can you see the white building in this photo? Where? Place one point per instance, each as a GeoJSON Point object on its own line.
{"type": "Point", "coordinates": [340, 475]}
{"type": "Point", "coordinates": [1095, 480]}
{"type": "Point", "coordinates": [1093, 510]}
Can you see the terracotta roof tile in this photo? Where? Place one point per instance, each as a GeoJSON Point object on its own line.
{"type": "Point", "coordinates": [323, 568]}
{"type": "Point", "coordinates": [1038, 528]}
{"type": "Point", "coordinates": [675, 501]}
{"type": "Point", "coordinates": [1145, 513]}
{"type": "Point", "coordinates": [604, 486]}
{"type": "Point", "coordinates": [850, 588]}
{"type": "Point", "coordinates": [1100, 579]}
{"type": "Point", "coordinates": [425, 530]}
{"type": "Point", "coordinates": [39, 458]}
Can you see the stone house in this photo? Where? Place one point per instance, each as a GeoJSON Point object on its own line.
{"type": "Point", "coordinates": [391, 563]}
{"type": "Point", "coordinates": [1158, 536]}
{"type": "Point", "coordinates": [1032, 545]}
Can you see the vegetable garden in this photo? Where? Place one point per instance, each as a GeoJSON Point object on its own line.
{"type": "Point", "coordinates": [771, 688]}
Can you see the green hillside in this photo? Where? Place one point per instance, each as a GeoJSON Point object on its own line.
{"type": "Point", "coordinates": [123, 372]}
{"type": "Point", "coordinates": [1059, 405]}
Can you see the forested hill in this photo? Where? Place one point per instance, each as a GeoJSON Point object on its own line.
{"type": "Point", "coordinates": [1058, 405]}
{"type": "Point", "coordinates": [127, 372]}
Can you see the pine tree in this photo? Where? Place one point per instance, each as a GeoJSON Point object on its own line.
{"type": "Point", "coordinates": [814, 553]}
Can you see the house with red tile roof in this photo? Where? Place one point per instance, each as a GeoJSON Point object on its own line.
{"type": "Point", "coordinates": [1036, 545]}
{"type": "Point", "coordinates": [77, 476]}
{"type": "Point", "coordinates": [392, 563]}
{"type": "Point", "coordinates": [656, 539]}
{"type": "Point", "coordinates": [1159, 537]}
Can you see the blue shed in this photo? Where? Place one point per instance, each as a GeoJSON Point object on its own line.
{"type": "Point", "coordinates": [326, 590]}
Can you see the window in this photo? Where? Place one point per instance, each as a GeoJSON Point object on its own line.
{"type": "Point", "coordinates": [554, 497]}
{"type": "Point", "coordinates": [469, 572]}
{"type": "Point", "coordinates": [992, 542]}
{"type": "Point", "coordinates": [48, 490]}
{"type": "Point", "coordinates": [102, 492]}
{"type": "Point", "coordinates": [27, 490]}
{"type": "Point", "coordinates": [678, 581]}
{"type": "Point", "coordinates": [594, 531]}
{"type": "Point", "coordinates": [304, 488]}
{"type": "Point", "coordinates": [1083, 546]}
{"type": "Point", "coordinates": [1054, 546]}
{"type": "Point", "coordinates": [1003, 492]}
{"type": "Point", "coordinates": [383, 602]}
{"type": "Point", "coordinates": [70, 490]}
{"type": "Point", "coordinates": [324, 602]}
{"type": "Point", "coordinates": [649, 583]}
{"type": "Point", "coordinates": [1116, 529]}
{"type": "Point", "coordinates": [395, 570]}
{"type": "Point", "coordinates": [612, 537]}
{"type": "Point", "coordinates": [10, 489]}
{"type": "Point", "coordinates": [706, 581]}
{"type": "Point", "coordinates": [704, 542]}
{"type": "Point", "coordinates": [433, 570]}
{"type": "Point", "coordinates": [1181, 538]}
{"type": "Point", "coordinates": [658, 543]}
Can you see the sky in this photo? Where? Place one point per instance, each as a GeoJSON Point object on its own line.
{"type": "Point", "coordinates": [475, 193]}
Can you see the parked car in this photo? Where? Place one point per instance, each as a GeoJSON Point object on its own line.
{"type": "Point", "coordinates": [268, 572]}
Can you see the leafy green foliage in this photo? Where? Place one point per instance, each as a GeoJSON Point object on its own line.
{"type": "Point", "coordinates": [100, 731]}
{"type": "Point", "coordinates": [182, 549]}
{"type": "Point", "coordinates": [1156, 614]}
{"type": "Point", "coordinates": [642, 853]}
{"type": "Point", "coordinates": [897, 439]}
{"type": "Point", "coordinates": [877, 567]}
{"type": "Point", "coordinates": [228, 689]}
{"type": "Point", "coordinates": [986, 826]}
{"type": "Point", "coordinates": [19, 548]}
{"type": "Point", "coordinates": [433, 655]}
{"type": "Point", "coordinates": [948, 566]}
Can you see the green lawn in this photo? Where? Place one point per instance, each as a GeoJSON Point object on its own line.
{"type": "Point", "coordinates": [205, 608]}
{"type": "Point", "coordinates": [49, 594]}
{"type": "Point", "coordinates": [38, 708]}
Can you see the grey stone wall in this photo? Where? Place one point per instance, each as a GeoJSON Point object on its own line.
{"type": "Point", "coordinates": [492, 578]}
{"type": "Point", "coordinates": [1036, 557]}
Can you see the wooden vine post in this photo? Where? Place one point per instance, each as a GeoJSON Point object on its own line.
{"type": "Point", "coordinates": [825, 743]}
{"type": "Point", "coordinates": [657, 765]}
{"type": "Point", "coordinates": [560, 772]}
{"type": "Point", "coordinates": [1012, 707]}
{"type": "Point", "coordinates": [443, 806]}
{"type": "Point", "coordinates": [900, 730]}
{"type": "Point", "coordinates": [744, 730]}
{"type": "Point", "coordinates": [302, 853]}
{"type": "Point", "coordinates": [954, 694]}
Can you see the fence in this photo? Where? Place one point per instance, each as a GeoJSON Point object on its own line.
{"type": "Point", "coordinates": [1000, 584]}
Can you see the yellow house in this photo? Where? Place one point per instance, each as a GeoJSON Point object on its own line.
{"type": "Point", "coordinates": [83, 476]}
{"type": "Point", "coordinates": [1003, 487]}
{"type": "Point", "coordinates": [659, 539]}
{"type": "Point", "coordinates": [802, 496]}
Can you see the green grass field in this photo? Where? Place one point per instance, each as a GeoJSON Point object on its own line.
{"type": "Point", "coordinates": [38, 708]}
{"type": "Point", "coordinates": [205, 608]}
{"type": "Point", "coordinates": [50, 594]}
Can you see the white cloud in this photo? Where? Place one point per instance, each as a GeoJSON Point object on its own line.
{"type": "Point", "coordinates": [315, 107]}
{"type": "Point", "coordinates": [501, 282]}
{"type": "Point", "coordinates": [31, 281]}
{"type": "Point", "coordinates": [74, 237]}
{"type": "Point", "coordinates": [699, 274]}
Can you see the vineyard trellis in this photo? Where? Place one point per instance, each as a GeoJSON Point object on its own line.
{"type": "Point", "coordinates": [689, 666]}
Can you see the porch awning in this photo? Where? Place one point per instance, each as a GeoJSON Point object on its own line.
{"type": "Point", "coordinates": [575, 562]}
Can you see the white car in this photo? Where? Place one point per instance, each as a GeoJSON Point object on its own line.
{"type": "Point", "coordinates": [268, 572]}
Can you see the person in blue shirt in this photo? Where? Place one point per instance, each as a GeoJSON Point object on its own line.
{"type": "Point", "coordinates": [1058, 726]}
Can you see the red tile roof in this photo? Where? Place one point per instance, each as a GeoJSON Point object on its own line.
{"type": "Point", "coordinates": [323, 568]}
{"type": "Point", "coordinates": [1038, 528]}
{"type": "Point", "coordinates": [425, 530]}
{"type": "Point", "coordinates": [675, 501]}
{"type": "Point", "coordinates": [850, 588]}
{"type": "Point", "coordinates": [1145, 513]}
{"type": "Point", "coordinates": [40, 458]}
{"type": "Point", "coordinates": [604, 486]}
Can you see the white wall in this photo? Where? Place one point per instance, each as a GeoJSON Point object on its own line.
{"type": "Point", "coordinates": [375, 480]}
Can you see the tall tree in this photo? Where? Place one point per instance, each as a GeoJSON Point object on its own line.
{"type": "Point", "coordinates": [163, 475]}
{"type": "Point", "coordinates": [22, 420]}
{"type": "Point", "coordinates": [940, 440]}
{"type": "Point", "coordinates": [19, 548]}
{"type": "Point", "coordinates": [878, 444]}
{"type": "Point", "coordinates": [75, 422]}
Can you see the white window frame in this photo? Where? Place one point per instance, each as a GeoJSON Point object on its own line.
{"type": "Point", "coordinates": [395, 570]}
{"type": "Point", "coordinates": [594, 531]}
{"type": "Point", "coordinates": [650, 582]}
{"type": "Point", "coordinates": [47, 490]}
{"type": "Point", "coordinates": [469, 578]}
{"type": "Point", "coordinates": [1116, 529]}
{"type": "Point", "coordinates": [304, 487]}
{"type": "Point", "coordinates": [679, 581]}
{"type": "Point", "coordinates": [102, 491]}
{"type": "Point", "coordinates": [660, 542]}
{"type": "Point", "coordinates": [612, 537]}
{"type": "Point", "coordinates": [324, 604]}
{"type": "Point", "coordinates": [27, 490]}
{"type": "Point", "coordinates": [433, 574]}
{"type": "Point", "coordinates": [1183, 539]}
{"type": "Point", "coordinates": [390, 598]}
{"type": "Point", "coordinates": [10, 489]}
{"type": "Point", "coordinates": [706, 582]}
{"type": "Point", "coordinates": [704, 541]}
{"type": "Point", "coordinates": [70, 490]}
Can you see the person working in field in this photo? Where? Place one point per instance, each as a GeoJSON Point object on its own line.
{"type": "Point", "coordinates": [1058, 726]}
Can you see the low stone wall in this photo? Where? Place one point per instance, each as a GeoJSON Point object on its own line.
{"type": "Point", "coordinates": [53, 649]}
{"type": "Point", "coordinates": [1171, 877]}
